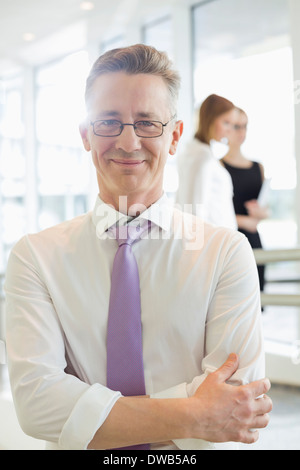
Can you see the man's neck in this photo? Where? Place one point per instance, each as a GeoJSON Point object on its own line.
{"type": "Point", "coordinates": [129, 204]}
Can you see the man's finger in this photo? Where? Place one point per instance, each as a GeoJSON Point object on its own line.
{"type": "Point", "coordinates": [258, 388]}
{"type": "Point", "coordinates": [261, 421]}
{"type": "Point", "coordinates": [249, 437]}
{"type": "Point", "coordinates": [228, 368]}
{"type": "Point", "coordinates": [263, 405]}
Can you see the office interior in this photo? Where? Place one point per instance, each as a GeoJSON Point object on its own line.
{"type": "Point", "coordinates": [245, 50]}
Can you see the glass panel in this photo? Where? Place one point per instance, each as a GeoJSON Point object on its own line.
{"type": "Point", "coordinates": [14, 224]}
{"type": "Point", "coordinates": [12, 159]}
{"type": "Point", "coordinates": [252, 66]}
{"type": "Point", "coordinates": [12, 166]}
{"type": "Point", "coordinates": [60, 100]}
{"type": "Point", "coordinates": [113, 43]}
{"type": "Point", "coordinates": [63, 167]}
{"type": "Point", "coordinates": [159, 35]}
{"type": "Point", "coordinates": [242, 52]}
{"type": "Point", "coordinates": [11, 116]}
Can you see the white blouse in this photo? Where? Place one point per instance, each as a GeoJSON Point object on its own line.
{"type": "Point", "coordinates": [205, 186]}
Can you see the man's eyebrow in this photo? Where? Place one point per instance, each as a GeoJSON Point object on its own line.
{"type": "Point", "coordinates": [106, 114]}
{"type": "Point", "coordinates": [146, 115]}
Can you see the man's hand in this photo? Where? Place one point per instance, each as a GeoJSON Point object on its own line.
{"type": "Point", "coordinates": [231, 413]}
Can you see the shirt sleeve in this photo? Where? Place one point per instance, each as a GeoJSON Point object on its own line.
{"type": "Point", "coordinates": [51, 404]}
{"type": "Point", "coordinates": [233, 324]}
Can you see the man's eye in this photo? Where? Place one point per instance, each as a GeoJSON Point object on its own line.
{"type": "Point", "coordinates": [145, 123]}
{"type": "Point", "coordinates": [110, 122]}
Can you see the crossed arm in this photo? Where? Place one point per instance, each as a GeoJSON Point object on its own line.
{"type": "Point", "coordinates": [217, 412]}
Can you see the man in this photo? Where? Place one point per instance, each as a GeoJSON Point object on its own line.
{"type": "Point", "coordinates": [198, 287]}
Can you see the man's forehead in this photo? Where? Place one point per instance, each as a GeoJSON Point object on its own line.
{"type": "Point", "coordinates": [113, 79]}
{"type": "Point", "coordinates": [113, 91]}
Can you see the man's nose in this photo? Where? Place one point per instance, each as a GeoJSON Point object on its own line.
{"type": "Point", "coordinates": [128, 140]}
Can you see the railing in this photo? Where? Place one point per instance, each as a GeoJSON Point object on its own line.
{"type": "Point", "coordinates": [277, 256]}
{"type": "Point", "coordinates": [274, 256]}
{"type": "Point", "coordinates": [282, 364]}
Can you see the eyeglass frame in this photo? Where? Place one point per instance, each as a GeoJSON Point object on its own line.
{"type": "Point", "coordinates": [122, 125]}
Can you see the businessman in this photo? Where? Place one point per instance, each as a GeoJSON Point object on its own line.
{"type": "Point", "coordinates": [135, 324]}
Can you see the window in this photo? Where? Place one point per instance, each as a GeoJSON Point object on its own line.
{"type": "Point", "coordinates": [158, 34]}
{"type": "Point", "coordinates": [12, 166]}
{"type": "Point", "coordinates": [242, 52]}
{"type": "Point", "coordinates": [252, 66]}
{"type": "Point", "coordinates": [112, 43]}
{"type": "Point", "coordinates": [63, 167]}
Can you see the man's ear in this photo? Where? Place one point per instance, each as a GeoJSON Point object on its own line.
{"type": "Point", "coordinates": [177, 133]}
{"type": "Point", "coordinates": [83, 129]}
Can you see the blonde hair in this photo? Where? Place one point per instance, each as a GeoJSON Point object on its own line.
{"type": "Point", "coordinates": [136, 59]}
{"type": "Point", "coordinates": [212, 107]}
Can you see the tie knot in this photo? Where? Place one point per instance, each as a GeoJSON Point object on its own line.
{"type": "Point", "coordinates": [128, 234]}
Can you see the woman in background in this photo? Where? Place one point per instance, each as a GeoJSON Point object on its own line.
{"type": "Point", "coordinates": [205, 187]}
{"type": "Point", "coordinates": [247, 178]}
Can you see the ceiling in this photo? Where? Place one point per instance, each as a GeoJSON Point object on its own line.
{"type": "Point", "coordinates": [61, 26]}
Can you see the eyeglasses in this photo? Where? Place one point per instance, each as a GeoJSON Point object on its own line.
{"type": "Point", "coordinates": [114, 128]}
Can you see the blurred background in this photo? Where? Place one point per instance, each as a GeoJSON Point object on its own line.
{"type": "Point", "coordinates": [245, 50]}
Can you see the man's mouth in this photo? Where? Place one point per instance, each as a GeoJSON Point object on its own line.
{"type": "Point", "coordinates": [123, 162]}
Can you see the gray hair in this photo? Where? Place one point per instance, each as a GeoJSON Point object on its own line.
{"type": "Point", "coordinates": [136, 59]}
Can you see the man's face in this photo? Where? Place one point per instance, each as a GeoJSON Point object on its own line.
{"type": "Point", "coordinates": [128, 165]}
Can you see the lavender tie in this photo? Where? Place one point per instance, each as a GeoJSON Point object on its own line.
{"type": "Point", "coordinates": [125, 369]}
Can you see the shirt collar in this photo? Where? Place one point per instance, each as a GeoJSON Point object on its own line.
{"type": "Point", "coordinates": [105, 216]}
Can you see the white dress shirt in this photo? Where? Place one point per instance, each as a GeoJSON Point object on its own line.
{"type": "Point", "coordinates": [205, 185]}
{"type": "Point", "coordinates": [200, 302]}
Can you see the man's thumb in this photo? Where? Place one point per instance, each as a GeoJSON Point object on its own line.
{"type": "Point", "coordinates": [228, 368]}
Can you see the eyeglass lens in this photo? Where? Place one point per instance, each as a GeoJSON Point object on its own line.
{"type": "Point", "coordinates": [111, 128]}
